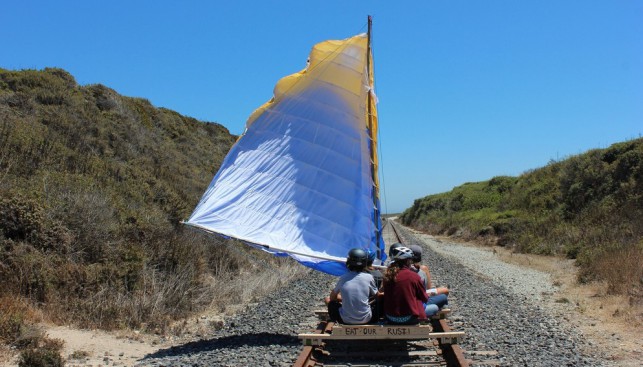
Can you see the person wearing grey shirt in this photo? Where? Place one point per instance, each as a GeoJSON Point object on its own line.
{"type": "Point", "coordinates": [438, 297]}
{"type": "Point", "coordinates": [350, 301]}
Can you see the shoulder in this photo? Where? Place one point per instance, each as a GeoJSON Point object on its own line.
{"type": "Point", "coordinates": [410, 274]}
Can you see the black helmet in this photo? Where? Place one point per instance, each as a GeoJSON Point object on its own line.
{"type": "Point", "coordinates": [391, 250]}
{"type": "Point", "coordinates": [417, 253]}
{"type": "Point", "coordinates": [356, 257]}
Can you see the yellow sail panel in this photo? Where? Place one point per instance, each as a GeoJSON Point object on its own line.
{"type": "Point", "coordinates": [338, 63]}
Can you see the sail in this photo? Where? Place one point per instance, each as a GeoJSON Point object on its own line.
{"type": "Point", "coordinates": [301, 180]}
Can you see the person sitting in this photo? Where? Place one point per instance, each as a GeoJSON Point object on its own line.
{"type": "Point", "coordinates": [349, 302]}
{"type": "Point", "coordinates": [426, 273]}
{"type": "Point", "coordinates": [437, 296]}
{"type": "Point", "coordinates": [377, 275]}
{"type": "Point", "coordinates": [404, 292]}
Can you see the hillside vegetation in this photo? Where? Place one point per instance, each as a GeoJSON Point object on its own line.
{"type": "Point", "coordinates": [588, 207]}
{"type": "Point", "coordinates": [93, 186]}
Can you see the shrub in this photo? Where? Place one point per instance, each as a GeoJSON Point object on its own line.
{"type": "Point", "coordinates": [20, 218]}
{"type": "Point", "coordinates": [621, 266]}
{"type": "Point", "coordinates": [13, 315]}
{"type": "Point", "coordinates": [44, 352]}
{"type": "Point", "coordinates": [93, 186]}
{"type": "Point", "coordinates": [15, 329]}
{"type": "Point", "coordinates": [587, 207]}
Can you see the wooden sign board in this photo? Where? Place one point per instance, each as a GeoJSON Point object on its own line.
{"type": "Point", "coordinates": [403, 332]}
{"type": "Point", "coordinates": [383, 331]}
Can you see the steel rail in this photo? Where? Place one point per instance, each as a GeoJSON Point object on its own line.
{"type": "Point", "coordinates": [453, 354]}
{"type": "Point", "coordinates": [305, 358]}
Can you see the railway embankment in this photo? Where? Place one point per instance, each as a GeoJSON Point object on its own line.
{"type": "Point", "coordinates": [515, 310]}
{"type": "Point", "coordinates": [532, 306]}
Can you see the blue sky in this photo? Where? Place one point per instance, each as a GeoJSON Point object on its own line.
{"type": "Point", "coordinates": [468, 90]}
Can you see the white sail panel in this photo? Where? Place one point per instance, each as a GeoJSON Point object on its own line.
{"type": "Point", "coordinates": [299, 180]}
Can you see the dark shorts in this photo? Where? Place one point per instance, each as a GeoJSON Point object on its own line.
{"type": "Point", "coordinates": [333, 312]}
{"type": "Point", "coordinates": [402, 320]}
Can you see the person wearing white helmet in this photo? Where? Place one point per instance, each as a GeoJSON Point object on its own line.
{"type": "Point", "coordinates": [404, 292]}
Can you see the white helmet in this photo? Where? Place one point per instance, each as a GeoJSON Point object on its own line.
{"type": "Point", "coordinates": [402, 253]}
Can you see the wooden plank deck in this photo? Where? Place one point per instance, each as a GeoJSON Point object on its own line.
{"type": "Point", "coordinates": [373, 332]}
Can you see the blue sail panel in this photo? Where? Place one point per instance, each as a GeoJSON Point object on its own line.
{"type": "Point", "coordinates": [299, 179]}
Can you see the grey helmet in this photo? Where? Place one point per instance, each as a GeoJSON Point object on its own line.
{"type": "Point", "coordinates": [417, 253]}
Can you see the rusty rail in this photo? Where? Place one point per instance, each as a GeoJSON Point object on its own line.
{"type": "Point", "coordinates": [306, 358]}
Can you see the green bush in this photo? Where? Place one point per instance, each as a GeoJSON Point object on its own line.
{"type": "Point", "coordinates": [587, 207]}
{"type": "Point", "coordinates": [93, 186]}
{"type": "Point", "coordinates": [43, 352]}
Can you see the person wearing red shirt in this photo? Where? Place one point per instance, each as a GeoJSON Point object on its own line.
{"type": "Point", "coordinates": [404, 292]}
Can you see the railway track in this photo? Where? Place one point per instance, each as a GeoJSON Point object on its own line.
{"type": "Point", "coordinates": [503, 328]}
{"type": "Point", "coordinates": [428, 352]}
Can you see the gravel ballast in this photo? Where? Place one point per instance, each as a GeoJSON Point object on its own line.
{"type": "Point", "coordinates": [498, 306]}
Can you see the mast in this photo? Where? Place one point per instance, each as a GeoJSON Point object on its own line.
{"type": "Point", "coordinates": [369, 102]}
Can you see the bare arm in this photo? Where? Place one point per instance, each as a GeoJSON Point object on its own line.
{"type": "Point", "coordinates": [334, 296]}
{"type": "Point", "coordinates": [426, 271]}
{"type": "Point", "coordinates": [440, 290]}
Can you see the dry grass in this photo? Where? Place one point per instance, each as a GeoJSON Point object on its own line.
{"type": "Point", "coordinates": [260, 275]}
{"type": "Point", "coordinates": [623, 272]}
{"type": "Point", "coordinates": [257, 281]}
{"type": "Point", "coordinates": [19, 331]}
{"type": "Point", "coordinates": [14, 314]}
{"type": "Point", "coordinates": [6, 355]}
{"type": "Point", "coordinates": [259, 278]}
{"type": "Point", "coordinates": [229, 292]}
{"type": "Point", "coordinates": [595, 299]}
{"type": "Point", "coordinates": [613, 321]}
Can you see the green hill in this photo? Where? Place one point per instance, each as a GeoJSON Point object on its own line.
{"type": "Point", "coordinates": [588, 207]}
{"type": "Point", "coordinates": [93, 186]}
